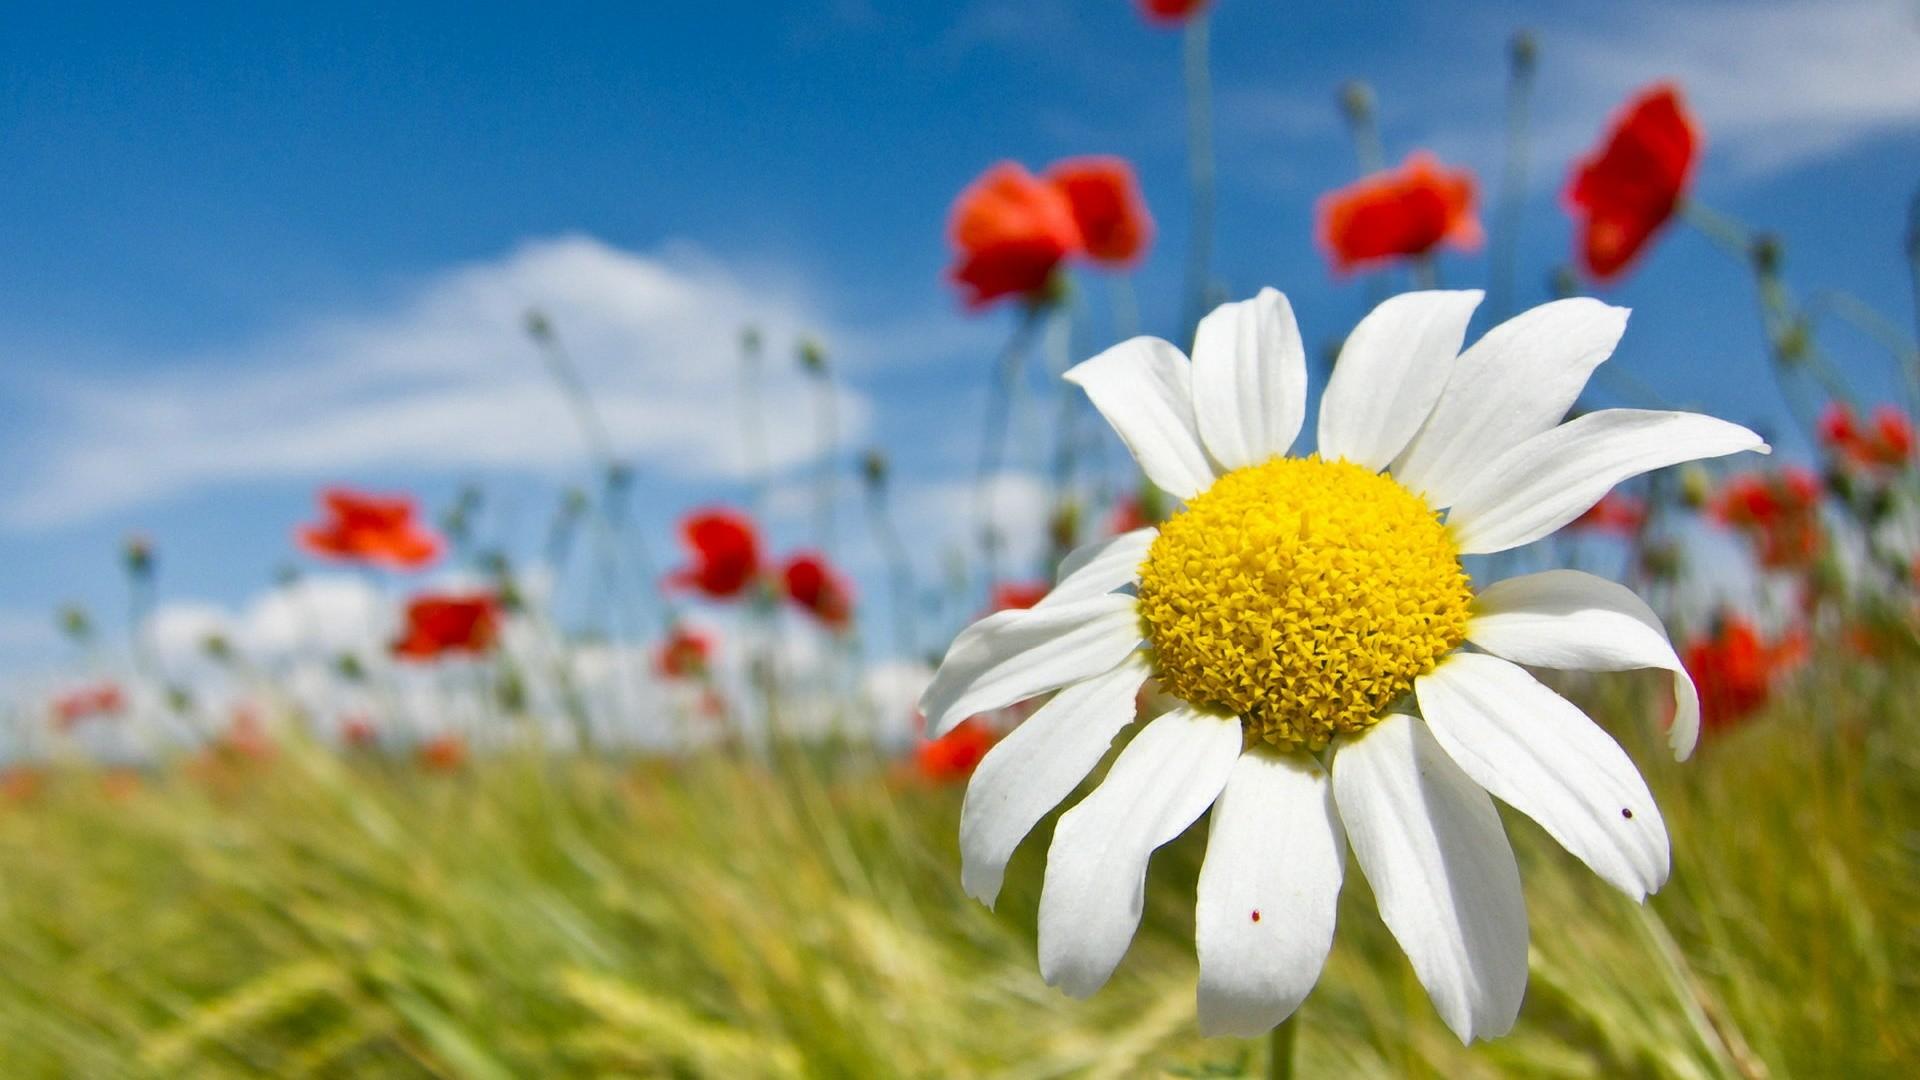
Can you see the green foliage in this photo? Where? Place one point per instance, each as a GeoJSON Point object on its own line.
{"type": "Point", "coordinates": [309, 916]}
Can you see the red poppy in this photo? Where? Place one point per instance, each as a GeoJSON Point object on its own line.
{"type": "Point", "coordinates": [1736, 670]}
{"type": "Point", "coordinates": [1398, 214]}
{"type": "Point", "coordinates": [1128, 514]}
{"type": "Point", "coordinates": [1886, 443]}
{"type": "Point", "coordinates": [445, 624]}
{"type": "Point", "coordinates": [1171, 11]}
{"type": "Point", "coordinates": [370, 529]}
{"type": "Point", "coordinates": [684, 654]}
{"type": "Point", "coordinates": [87, 702]}
{"type": "Point", "coordinates": [816, 586]}
{"type": "Point", "coordinates": [726, 553]}
{"type": "Point", "coordinates": [954, 756]}
{"type": "Point", "coordinates": [1627, 189]}
{"type": "Point", "coordinates": [1778, 511]}
{"type": "Point", "coordinates": [1615, 514]}
{"type": "Point", "coordinates": [246, 736]}
{"type": "Point", "coordinates": [358, 732]}
{"type": "Point", "coordinates": [1011, 231]}
{"type": "Point", "coordinates": [443, 753]}
{"type": "Point", "coordinates": [1018, 595]}
{"type": "Point", "coordinates": [20, 783]}
{"type": "Point", "coordinates": [1115, 227]}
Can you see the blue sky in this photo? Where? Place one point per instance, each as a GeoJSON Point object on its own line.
{"type": "Point", "coordinates": [248, 251]}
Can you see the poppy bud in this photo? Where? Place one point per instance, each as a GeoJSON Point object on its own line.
{"type": "Point", "coordinates": [1065, 526]}
{"type": "Point", "coordinates": [813, 357]}
{"type": "Point", "coordinates": [873, 469]}
{"type": "Point", "coordinates": [1766, 253]}
{"type": "Point", "coordinates": [539, 328]}
{"type": "Point", "coordinates": [1356, 101]}
{"type": "Point", "coordinates": [750, 340]}
{"type": "Point", "coordinates": [217, 647]}
{"type": "Point", "coordinates": [349, 667]}
{"type": "Point", "coordinates": [138, 555]}
{"type": "Point", "coordinates": [1696, 487]}
{"type": "Point", "coordinates": [1563, 282]}
{"type": "Point", "coordinates": [75, 623]}
{"type": "Point", "coordinates": [510, 691]}
{"type": "Point", "coordinates": [1522, 51]}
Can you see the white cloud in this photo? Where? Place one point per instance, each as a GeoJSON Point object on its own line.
{"type": "Point", "coordinates": [1774, 83]}
{"type": "Point", "coordinates": [445, 378]}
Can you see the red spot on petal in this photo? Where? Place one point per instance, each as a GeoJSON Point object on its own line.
{"type": "Point", "coordinates": [1256, 914]}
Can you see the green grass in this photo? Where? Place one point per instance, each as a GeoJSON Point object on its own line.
{"type": "Point", "coordinates": [314, 916]}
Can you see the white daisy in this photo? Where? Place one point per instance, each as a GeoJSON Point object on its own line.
{"type": "Point", "coordinates": [1310, 614]}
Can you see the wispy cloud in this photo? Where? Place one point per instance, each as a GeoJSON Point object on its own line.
{"type": "Point", "coordinates": [1775, 83]}
{"type": "Point", "coordinates": [445, 378]}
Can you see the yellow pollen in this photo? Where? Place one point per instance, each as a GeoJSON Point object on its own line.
{"type": "Point", "coordinates": [1303, 595]}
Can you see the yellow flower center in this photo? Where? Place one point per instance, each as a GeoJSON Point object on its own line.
{"type": "Point", "coordinates": [1303, 595]}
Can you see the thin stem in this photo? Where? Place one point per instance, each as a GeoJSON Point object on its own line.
{"type": "Point", "coordinates": [1280, 1045]}
{"type": "Point", "coordinates": [1513, 179]}
{"type": "Point", "coordinates": [1857, 313]}
{"type": "Point", "coordinates": [1913, 256]}
{"type": "Point", "coordinates": [993, 441]}
{"type": "Point", "coordinates": [1200, 171]}
{"type": "Point", "coordinates": [827, 439]}
{"type": "Point", "coordinates": [753, 431]}
{"type": "Point", "coordinates": [899, 567]}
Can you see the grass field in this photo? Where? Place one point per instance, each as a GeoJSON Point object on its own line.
{"type": "Point", "coordinates": [314, 915]}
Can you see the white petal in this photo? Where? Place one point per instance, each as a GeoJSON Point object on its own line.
{"type": "Point", "coordinates": [1038, 764]}
{"type": "Point", "coordinates": [1514, 383]}
{"type": "Point", "coordinates": [1144, 388]}
{"type": "Point", "coordinates": [1010, 656]}
{"type": "Point", "coordinates": [1390, 373]}
{"type": "Point", "coordinates": [1249, 380]}
{"type": "Point", "coordinates": [1577, 622]}
{"type": "Point", "coordinates": [1097, 866]}
{"type": "Point", "coordinates": [1538, 753]}
{"type": "Point", "coordinates": [1552, 478]}
{"type": "Point", "coordinates": [1431, 845]}
{"type": "Point", "coordinates": [1101, 567]}
{"type": "Point", "coordinates": [1268, 889]}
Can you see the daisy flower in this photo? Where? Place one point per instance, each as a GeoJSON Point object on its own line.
{"type": "Point", "coordinates": [1312, 617]}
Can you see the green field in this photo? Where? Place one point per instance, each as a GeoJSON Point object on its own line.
{"type": "Point", "coordinates": [315, 915]}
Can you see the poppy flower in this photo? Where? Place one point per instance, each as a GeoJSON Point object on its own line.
{"type": "Point", "coordinates": [357, 731]}
{"type": "Point", "coordinates": [819, 588]}
{"type": "Point", "coordinates": [1736, 669]}
{"type": "Point", "coordinates": [443, 624]}
{"type": "Point", "coordinates": [1115, 227]}
{"type": "Point", "coordinates": [1887, 441]}
{"type": "Point", "coordinates": [20, 783]}
{"type": "Point", "coordinates": [1019, 595]}
{"type": "Point", "coordinates": [1629, 187]}
{"type": "Point", "coordinates": [1398, 214]}
{"type": "Point", "coordinates": [684, 654]}
{"type": "Point", "coordinates": [726, 554]}
{"type": "Point", "coordinates": [372, 529]}
{"type": "Point", "coordinates": [1011, 230]}
{"type": "Point", "coordinates": [1779, 512]}
{"type": "Point", "coordinates": [953, 756]}
{"type": "Point", "coordinates": [1171, 11]}
{"type": "Point", "coordinates": [87, 702]}
{"type": "Point", "coordinates": [246, 736]}
{"type": "Point", "coordinates": [443, 753]}
{"type": "Point", "coordinates": [1615, 514]}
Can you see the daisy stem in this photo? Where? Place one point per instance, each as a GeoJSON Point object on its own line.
{"type": "Point", "coordinates": [1199, 170]}
{"type": "Point", "coordinates": [1280, 1043]}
